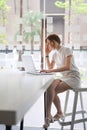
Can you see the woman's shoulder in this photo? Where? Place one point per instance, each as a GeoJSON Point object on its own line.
{"type": "Point", "coordinates": [66, 48]}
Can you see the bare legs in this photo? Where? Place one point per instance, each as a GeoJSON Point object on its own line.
{"type": "Point", "coordinates": [57, 104]}
{"type": "Point", "coordinates": [56, 87]}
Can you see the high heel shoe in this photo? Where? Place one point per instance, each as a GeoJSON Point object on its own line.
{"type": "Point", "coordinates": [58, 116]}
{"type": "Point", "coordinates": [48, 121]}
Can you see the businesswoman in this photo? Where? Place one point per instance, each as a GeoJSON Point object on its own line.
{"type": "Point", "coordinates": [64, 60]}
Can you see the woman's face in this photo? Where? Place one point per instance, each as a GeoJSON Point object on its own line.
{"type": "Point", "coordinates": [49, 44]}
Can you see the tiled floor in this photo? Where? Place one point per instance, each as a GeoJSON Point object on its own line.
{"type": "Point", "coordinates": [2, 127]}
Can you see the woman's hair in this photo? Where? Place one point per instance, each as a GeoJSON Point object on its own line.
{"type": "Point", "coordinates": [54, 38]}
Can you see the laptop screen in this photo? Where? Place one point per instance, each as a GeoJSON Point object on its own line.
{"type": "Point", "coordinates": [28, 63]}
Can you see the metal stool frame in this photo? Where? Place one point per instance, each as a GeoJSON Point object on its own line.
{"type": "Point", "coordinates": [77, 92]}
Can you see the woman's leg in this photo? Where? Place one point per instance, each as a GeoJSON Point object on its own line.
{"type": "Point", "coordinates": [57, 104]}
{"type": "Point", "coordinates": [56, 87]}
{"type": "Point", "coordinates": [60, 88]}
{"type": "Point", "coordinates": [50, 97]}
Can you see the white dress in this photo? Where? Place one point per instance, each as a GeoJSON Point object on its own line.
{"type": "Point", "coordinates": [71, 77]}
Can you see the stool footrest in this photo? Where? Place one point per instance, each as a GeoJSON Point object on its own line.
{"type": "Point", "coordinates": [78, 112]}
{"type": "Point", "coordinates": [64, 123]}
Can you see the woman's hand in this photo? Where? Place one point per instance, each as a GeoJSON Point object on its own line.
{"type": "Point", "coordinates": [44, 70]}
{"type": "Point", "coordinates": [47, 49]}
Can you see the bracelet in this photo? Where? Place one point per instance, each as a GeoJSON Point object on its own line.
{"type": "Point", "coordinates": [47, 56]}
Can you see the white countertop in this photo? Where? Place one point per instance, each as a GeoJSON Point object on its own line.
{"type": "Point", "coordinates": [18, 92]}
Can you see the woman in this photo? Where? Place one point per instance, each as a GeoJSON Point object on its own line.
{"type": "Point", "coordinates": [64, 60]}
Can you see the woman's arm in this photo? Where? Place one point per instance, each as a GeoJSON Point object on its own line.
{"type": "Point", "coordinates": [62, 68]}
{"type": "Point", "coordinates": [50, 64]}
{"type": "Point", "coordinates": [66, 65]}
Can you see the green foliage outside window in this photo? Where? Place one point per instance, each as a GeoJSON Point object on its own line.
{"type": "Point", "coordinates": [77, 6]}
{"type": "Point", "coordinates": [3, 38]}
{"type": "Point", "coordinates": [31, 19]}
{"type": "Point", "coordinates": [4, 10]}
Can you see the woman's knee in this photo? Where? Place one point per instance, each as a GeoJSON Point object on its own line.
{"type": "Point", "coordinates": [54, 84]}
{"type": "Point", "coordinates": [62, 87]}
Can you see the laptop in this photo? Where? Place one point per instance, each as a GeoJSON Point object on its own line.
{"type": "Point", "coordinates": [28, 64]}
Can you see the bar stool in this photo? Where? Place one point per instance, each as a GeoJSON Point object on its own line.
{"type": "Point", "coordinates": [77, 92]}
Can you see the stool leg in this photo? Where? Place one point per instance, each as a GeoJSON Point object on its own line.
{"type": "Point", "coordinates": [74, 110]}
{"type": "Point", "coordinates": [81, 101]}
{"type": "Point", "coordinates": [65, 105]}
{"type": "Point", "coordinates": [66, 101]}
